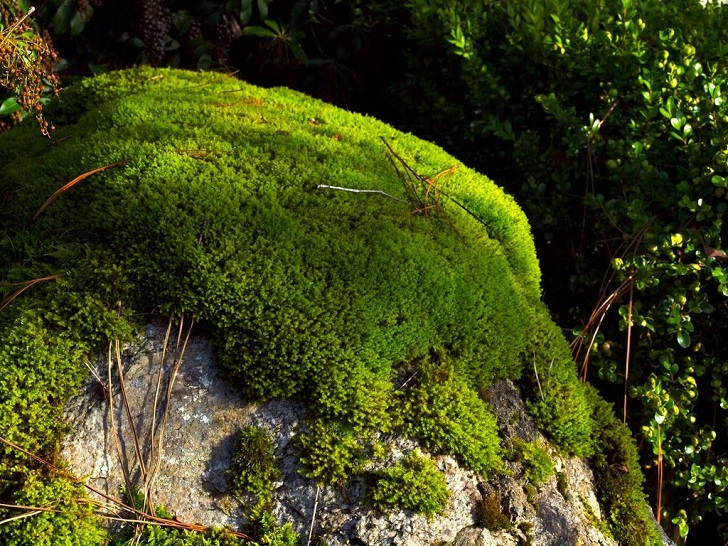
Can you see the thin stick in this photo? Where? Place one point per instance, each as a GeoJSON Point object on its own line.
{"type": "Point", "coordinates": [538, 382]}
{"type": "Point", "coordinates": [313, 516]}
{"type": "Point", "coordinates": [410, 378]}
{"type": "Point", "coordinates": [4, 303]}
{"type": "Point", "coordinates": [155, 467]}
{"type": "Point", "coordinates": [35, 512]}
{"type": "Point", "coordinates": [352, 190]}
{"type": "Point", "coordinates": [629, 350]}
{"type": "Point", "coordinates": [170, 386]}
{"type": "Point", "coordinates": [127, 408]}
{"type": "Point", "coordinates": [16, 24]}
{"type": "Point", "coordinates": [659, 475]}
{"type": "Point", "coordinates": [114, 432]}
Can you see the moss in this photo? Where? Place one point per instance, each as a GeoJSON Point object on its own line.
{"type": "Point", "coordinates": [595, 521]}
{"type": "Point", "coordinates": [490, 511]}
{"type": "Point", "coordinates": [557, 398]}
{"type": "Point", "coordinates": [619, 479]}
{"type": "Point", "coordinates": [413, 484]}
{"type": "Point", "coordinates": [74, 526]}
{"type": "Point", "coordinates": [214, 209]}
{"type": "Point", "coordinates": [535, 460]}
{"type": "Point", "coordinates": [443, 411]}
{"type": "Point", "coordinates": [563, 486]}
{"type": "Point", "coordinates": [254, 465]}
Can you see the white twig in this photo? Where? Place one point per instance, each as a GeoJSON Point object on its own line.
{"type": "Point", "coordinates": [353, 190]}
{"type": "Point", "coordinates": [21, 516]}
{"type": "Point", "coordinates": [410, 378]}
{"type": "Point", "coordinates": [313, 516]}
{"type": "Point", "coordinates": [538, 382]}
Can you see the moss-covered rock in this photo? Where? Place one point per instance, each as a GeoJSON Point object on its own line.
{"type": "Point", "coordinates": [329, 256]}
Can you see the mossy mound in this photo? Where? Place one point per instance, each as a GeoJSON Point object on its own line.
{"type": "Point", "coordinates": [236, 207]}
{"type": "Point", "coordinates": [214, 211]}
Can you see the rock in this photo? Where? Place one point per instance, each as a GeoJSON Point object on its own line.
{"type": "Point", "coordinates": [205, 415]}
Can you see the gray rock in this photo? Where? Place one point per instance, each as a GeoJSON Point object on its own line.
{"type": "Point", "coordinates": [205, 415]}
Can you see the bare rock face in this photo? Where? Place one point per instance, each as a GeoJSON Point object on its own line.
{"type": "Point", "coordinates": [185, 458]}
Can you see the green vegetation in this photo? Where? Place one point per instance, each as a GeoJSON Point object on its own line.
{"type": "Point", "coordinates": [619, 480]}
{"type": "Point", "coordinates": [557, 398]}
{"type": "Point", "coordinates": [443, 411]}
{"type": "Point", "coordinates": [601, 116]}
{"type": "Point", "coordinates": [217, 203]}
{"type": "Point", "coordinates": [262, 527]}
{"type": "Point", "coordinates": [491, 513]}
{"type": "Point", "coordinates": [605, 119]}
{"type": "Point", "coordinates": [414, 484]}
{"type": "Point", "coordinates": [537, 464]}
{"type": "Point", "coordinates": [73, 524]}
{"type": "Point", "coordinates": [254, 466]}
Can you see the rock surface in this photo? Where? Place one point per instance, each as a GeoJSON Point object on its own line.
{"type": "Point", "coordinates": [205, 415]}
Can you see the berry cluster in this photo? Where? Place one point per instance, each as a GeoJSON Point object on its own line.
{"type": "Point", "coordinates": [155, 25]}
{"type": "Point", "coordinates": [27, 61]}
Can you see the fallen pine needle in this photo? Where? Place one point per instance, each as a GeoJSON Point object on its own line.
{"type": "Point", "coordinates": [69, 185]}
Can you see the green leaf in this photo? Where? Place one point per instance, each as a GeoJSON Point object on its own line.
{"type": "Point", "coordinates": [263, 9]}
{"type": "Point", "coordinates": [246, 11]}
{"type": "Point", "coordinates": [62, 18]}
{"type": "Point", "coordinates": [77, 24]}
{"type": "Point", "coordinates": [9, 106]}
{"type": "Point", "coordinates": [275, 27]}
{"type": "Point", "coordinates": [259, 31]}
{"type": "Point", "coordinates": [683, 339]}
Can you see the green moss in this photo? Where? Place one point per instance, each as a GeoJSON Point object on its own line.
{"type": "Point", "coordinates": [214, 210]}
{"type": "Point", "coordinates": [619, 479]}
{"type": "Point", "coordinates": [75, 525]}
{"type": "Point", "coordinates": [535, 460]}
{"type": "Point", "coordinates": [442, 410]}
{"type": "Point", "coordinates": [596, 521]}
{"type": "Point", "coordinates": [557, 398]}
{"type": "Point", "coordinates": [491, 514]}
{"type": "Point", "coordinates": [413, 484]}
{"type": "Point", "coordinates": [563, 486]}
{"type": "Point", "coordinates": [254, 465]}
{"type": "Point", "coordinates": [165, 536]}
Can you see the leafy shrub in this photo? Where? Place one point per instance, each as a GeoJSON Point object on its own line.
{"type": "Point", "coordinates": [254, 465]}
{"type": "Point", "coordinates": [442, 410]}
{"type": "Point", "coordinates": [414, 484]}
{"type": "Point", "coordinates": [604, 119]}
